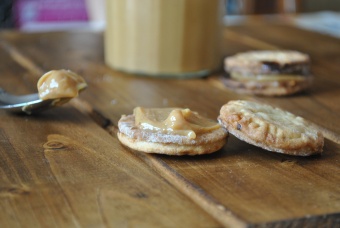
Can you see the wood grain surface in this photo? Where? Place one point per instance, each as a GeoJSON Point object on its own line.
{"type": "Point", "coordinates": [66, 167]}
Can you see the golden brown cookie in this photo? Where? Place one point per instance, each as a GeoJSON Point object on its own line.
{"type": "Point", "coordinates": [268, 72]}
{"type": "Point", "coordinates": [140, 135]}
{"type": "Point", "coordinates": [270, 128]}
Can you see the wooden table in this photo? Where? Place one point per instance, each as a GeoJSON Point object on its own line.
{"type": "Point", "coordinates": [66, 167]}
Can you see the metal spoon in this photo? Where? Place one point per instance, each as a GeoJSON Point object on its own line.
{"type": "Point", "coordinates": [28, 104]}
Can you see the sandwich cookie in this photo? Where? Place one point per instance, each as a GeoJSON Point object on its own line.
{"type": "Point", "coordinates": [171, 131]}
{"type": "Point", "coordinates": [270, 128]}
{"type": "Point", "coordinates": [268, 72]}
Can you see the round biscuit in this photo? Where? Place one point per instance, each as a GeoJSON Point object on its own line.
{"type": "Point", "coordinates": [149, 141]}
{"type": "Point", "coordinates": [170, 148]}
{"type": "Point", "coordinates": [270, 128]}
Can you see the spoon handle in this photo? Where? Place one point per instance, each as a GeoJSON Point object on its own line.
{"type": "Point", "coordinates": [6, 98]}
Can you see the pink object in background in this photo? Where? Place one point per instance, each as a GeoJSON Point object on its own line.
{"type": "Point", "coordinates": [50, 14]}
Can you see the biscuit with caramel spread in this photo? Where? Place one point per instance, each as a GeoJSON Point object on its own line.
{"type": "Point", "coordinates": [182, 135]}
{"type": "Point", "coordinates": [268, 72]}
{"type": "Point", "coordinates": [270, 128]}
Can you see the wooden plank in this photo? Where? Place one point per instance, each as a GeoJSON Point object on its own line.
{"type": "Point", "coordinates": [61, 169]}
{"type": "Point", "coordinates": [14, 77]}
{"type": "Point", "coordinates": [74, 174]}
{"type": "Point", "coordinates": [259, 186]}
{"type": "Point", "coordinates": [240, 183]}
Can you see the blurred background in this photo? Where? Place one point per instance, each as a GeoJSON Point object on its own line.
{"type": "Point", "coordinates": [42, 15]}
{"type": "Point", "coordinates": [52, 15]}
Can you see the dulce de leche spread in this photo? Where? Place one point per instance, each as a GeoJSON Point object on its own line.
{"type": "Point", "coordinates": [163, 38]}
{"type": "Point", "coordinates": [173, 121]}
{"type": "Point", "coordinates": [57, 84]}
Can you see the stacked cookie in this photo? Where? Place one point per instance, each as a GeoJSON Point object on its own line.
{"type": "Point", "coordinates": [268, 72]}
